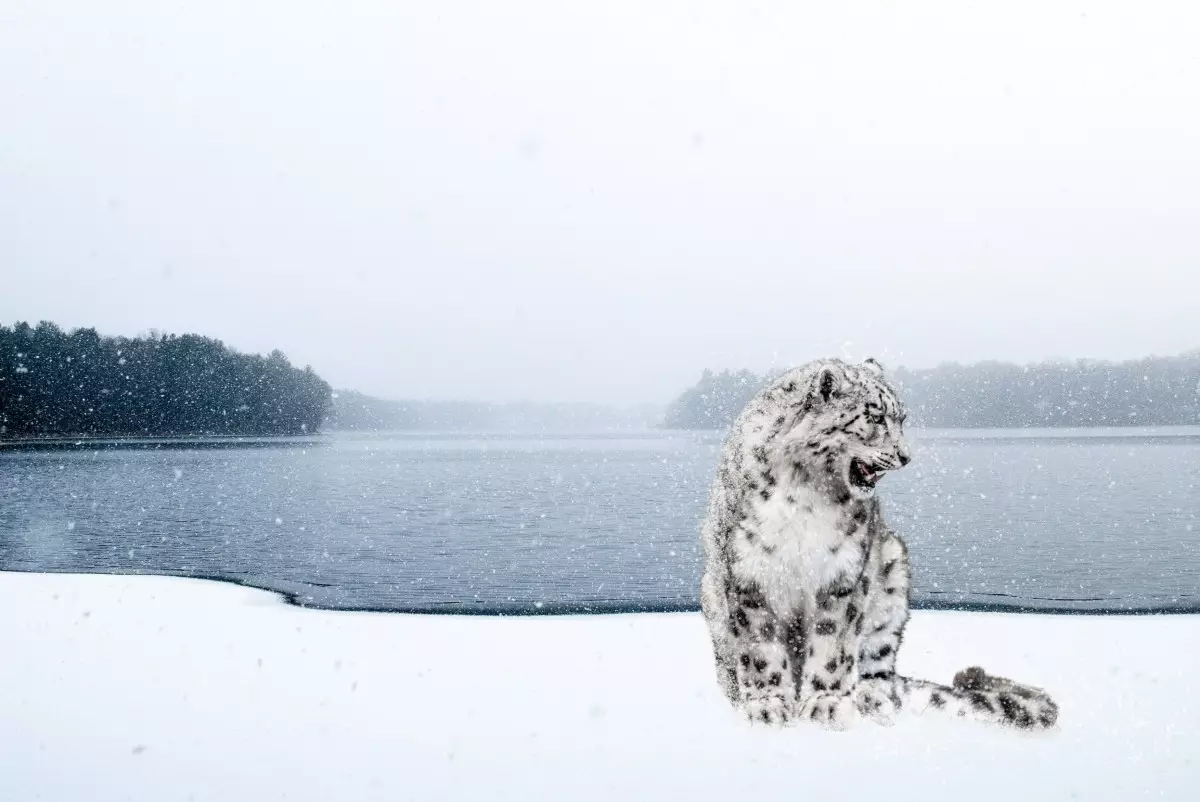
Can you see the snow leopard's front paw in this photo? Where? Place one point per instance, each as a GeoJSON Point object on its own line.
{"type": "Point", "coordinates": [876, 699]}
{"type": "Point", "coordinates": [776, 710]}
{"type": "Point", "coordinates": [834, 710]}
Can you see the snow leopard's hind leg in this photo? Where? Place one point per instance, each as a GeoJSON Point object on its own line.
{"type": "Point", "coordinates": [716, 615]}
{"type": "Point", "coordinates": [882, 692]}
{"type": "Point", "coordinates": [885, 586]}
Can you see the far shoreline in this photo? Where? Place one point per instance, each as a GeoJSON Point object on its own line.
{"type": "Point", "coordinates": [157, 442]}
{"type": "Point", "coordinates": [1174, 433]}
{"type": "Point", "coordinates": [294, 596]}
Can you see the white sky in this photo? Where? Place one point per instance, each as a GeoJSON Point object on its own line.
{"type": "Point", "coordinates": [569, 200]}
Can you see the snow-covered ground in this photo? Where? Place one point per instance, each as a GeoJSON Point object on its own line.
{"type": "Point", "coordinates": [156, 689]}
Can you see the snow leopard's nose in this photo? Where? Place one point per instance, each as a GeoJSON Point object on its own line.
{"type": "Point", "coordinates": [904, 454]}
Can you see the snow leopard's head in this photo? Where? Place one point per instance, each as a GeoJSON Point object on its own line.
{"type": "Point", "coordinates": [851, 429]}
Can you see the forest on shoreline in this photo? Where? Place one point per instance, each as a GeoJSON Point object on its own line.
{"type": "Point", "coordinates": [82, 384]}
{"type": "Point", "coordinates": [55, 383]}
{"type": "Point", "coordinates": [1154, 391]}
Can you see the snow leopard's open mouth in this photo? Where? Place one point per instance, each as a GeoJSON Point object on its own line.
{"type": "Point", "coordinates": [863, 474]}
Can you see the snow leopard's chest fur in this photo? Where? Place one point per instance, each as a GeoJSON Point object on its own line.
{"type": "Point", "coordinates": [796, 541]}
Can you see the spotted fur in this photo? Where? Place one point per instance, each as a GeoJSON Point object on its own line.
{"type": "Point", "coordinates": [805, 589]}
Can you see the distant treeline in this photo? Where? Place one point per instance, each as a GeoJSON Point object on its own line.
{"type": "Point", "coordinates": [81, 384]}
{"type": "Point", "coordinates": [714, 401]}
{"type": "Point", "coordinates": [354, 411]}
{"type": "Point", "coordinates": [1155, 391]}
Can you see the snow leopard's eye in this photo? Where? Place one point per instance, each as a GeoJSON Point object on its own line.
{"type": "Point", "coordinates": [875, 415]}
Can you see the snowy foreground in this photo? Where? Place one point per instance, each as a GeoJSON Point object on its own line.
{"type": "Point", "coordinates": [147, 688]}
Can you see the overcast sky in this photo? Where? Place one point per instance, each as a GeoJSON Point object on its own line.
{"type": "Point", "coordinates": [568, 200]}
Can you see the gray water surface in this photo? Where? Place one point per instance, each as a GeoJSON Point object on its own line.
{"type": "Point", "coordinates": [1070, 520]}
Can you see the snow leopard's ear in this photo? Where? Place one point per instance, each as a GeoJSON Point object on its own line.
{"type": "Point", "coordinates": [826, 382]}
{"type": "Point", "coordinates": [872, 364]}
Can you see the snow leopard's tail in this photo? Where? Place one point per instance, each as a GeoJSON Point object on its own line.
{"type": "Point", "coordinates": [979, 695]}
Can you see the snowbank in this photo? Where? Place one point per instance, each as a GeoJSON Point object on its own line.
{"type": "Point", "coordinates": [156, 689]}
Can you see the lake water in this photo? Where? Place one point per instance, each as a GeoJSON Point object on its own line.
{"type": "Point", "coordinates": [1063, 520]}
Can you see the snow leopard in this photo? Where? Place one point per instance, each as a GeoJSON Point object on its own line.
{"type": "Point", "coordinates": [805, 588]}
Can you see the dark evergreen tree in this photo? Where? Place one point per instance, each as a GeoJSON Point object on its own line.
{"type": "Point", "coordinates": [714, 401]}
